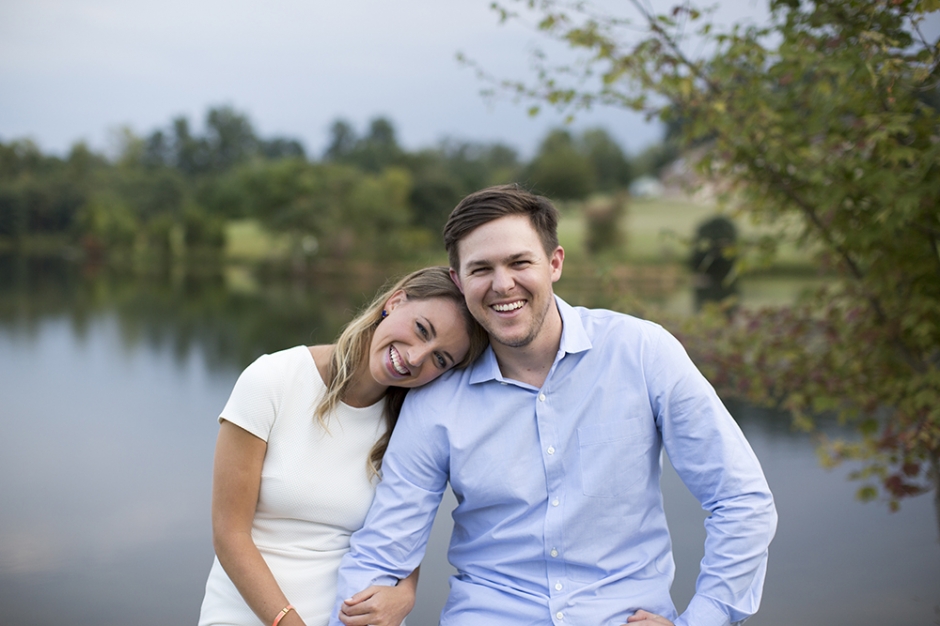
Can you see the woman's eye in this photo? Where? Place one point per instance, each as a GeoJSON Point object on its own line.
{"type": "Point", "coordinates": [441, 361]}
{"type": "Point", "coordinates": [422, 330]}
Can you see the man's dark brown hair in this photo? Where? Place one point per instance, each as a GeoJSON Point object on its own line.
{"type": "Point", "coordinates": [493, 203]}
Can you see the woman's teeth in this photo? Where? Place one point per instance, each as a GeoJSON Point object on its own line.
{"type": "Point", "coordinates": [395, 358]}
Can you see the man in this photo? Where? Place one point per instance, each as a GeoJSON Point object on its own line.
{"type": "Point", "coordinates": [552, 444]}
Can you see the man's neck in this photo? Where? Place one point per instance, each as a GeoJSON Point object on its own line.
{"type": "Point", "coordinates": [531, 363]}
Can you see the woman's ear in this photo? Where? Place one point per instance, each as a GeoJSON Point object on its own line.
{"type": "Point", "coordinates": [397, 298]}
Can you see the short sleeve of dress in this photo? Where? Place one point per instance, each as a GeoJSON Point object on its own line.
{"type": "Point", "coordinates": [254, 400]}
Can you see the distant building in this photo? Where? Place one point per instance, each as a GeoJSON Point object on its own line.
{"type": "Point", "coordinates": [680, 178]}
{"type": "Point", "coordinates": [646, 187]}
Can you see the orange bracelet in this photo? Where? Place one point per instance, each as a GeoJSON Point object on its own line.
{"type": "Point", "coordinates": [287, 609]}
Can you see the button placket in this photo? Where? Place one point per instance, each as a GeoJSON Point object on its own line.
{"type": "Point", "coordinates": [553, 462]}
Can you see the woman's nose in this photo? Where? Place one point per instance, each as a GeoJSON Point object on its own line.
{"type": "Point", "coordinates": [417, 354]}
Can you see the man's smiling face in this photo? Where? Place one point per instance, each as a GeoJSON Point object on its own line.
{"type": "Point", "coordinates": [506, 277]}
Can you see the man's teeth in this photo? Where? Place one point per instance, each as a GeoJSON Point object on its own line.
{"type": "Point", "coordinates": [395, 358]}
{"type": "Point", "coordinates": [509, 306]}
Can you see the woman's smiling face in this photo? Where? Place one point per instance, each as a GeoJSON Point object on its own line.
{"type": "Point", "coordinates": [418, 341]}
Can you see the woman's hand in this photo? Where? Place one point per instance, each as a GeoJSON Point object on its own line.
{"type": "Point", "coordinates": [646, 618]}
{"type": "Point", "coordinates": [378, 606]}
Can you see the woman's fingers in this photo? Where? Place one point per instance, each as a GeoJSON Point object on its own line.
{"type": "Point", "coordinates": [645, 617]}
{"type": "Point", "coordinates": [360, 597]}
{"type": "Point", "coordinates": [377, 606]}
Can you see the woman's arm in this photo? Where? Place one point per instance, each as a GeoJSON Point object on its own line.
{"type": "Point", "coordinates": [236, 482]}
{"type": "Point", "coordinates": [381, 605]}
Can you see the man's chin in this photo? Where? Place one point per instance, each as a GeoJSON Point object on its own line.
{"type": "Point", "coordinates": [512, 341]}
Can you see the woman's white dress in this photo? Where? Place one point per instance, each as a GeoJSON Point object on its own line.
{"type": "Point", "coordinates": [315, 488]}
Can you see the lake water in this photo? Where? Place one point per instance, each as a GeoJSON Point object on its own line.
{"type": "Point", "coordinates": [109, 392]}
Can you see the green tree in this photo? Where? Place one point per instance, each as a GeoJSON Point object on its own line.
{"type": "Point", "coordinates": [445, 174]}
{"type": "Point", "coordinates": [342, 141]}
{"type": "Point", "coordinates": [827, 117]}
{"type": "Point", "coordinates": [230, 138]}
{"type": "Point", "coordinates": [612, 170]}
{"type": "Point", "coordinates": [347, 211]}
{"type": "Point", "coordinates": [40, 194]}
{"type": "Point", "coordinates": [373, 152]}
{"type": "Point", "coordinates": [559, 169]}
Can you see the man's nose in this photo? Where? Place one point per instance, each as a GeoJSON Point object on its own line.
{"type": "Point", "coordinates": [502, 281]}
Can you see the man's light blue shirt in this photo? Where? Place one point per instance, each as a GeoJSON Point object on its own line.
{"type": "Point", "coordinates": [559, 514]}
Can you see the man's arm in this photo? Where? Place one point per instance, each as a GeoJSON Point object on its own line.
{"type": "Point", "coordinates": [716, 463]}
{"type": "Point", "coordinates": [391, 543]}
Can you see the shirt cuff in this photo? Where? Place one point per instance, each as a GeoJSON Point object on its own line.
{"type": "Point", "coordinates": [364, 582]}
{"type": "Point", "coordinates": [703, 611]}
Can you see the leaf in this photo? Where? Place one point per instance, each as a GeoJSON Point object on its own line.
{"type": "Point", "coordinates": [927, 6]}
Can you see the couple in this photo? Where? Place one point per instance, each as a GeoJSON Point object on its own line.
{"type": "Point", "coordinates": [551, 441]}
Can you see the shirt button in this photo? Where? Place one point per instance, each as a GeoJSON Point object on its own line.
{"type": "Point", "coordinates": [541, 397]}
{"type": "Point", "coordinates": [555, 502]}
{"type": "Point", "coordinates": [554, 552]}
{"type": "Point", "coordinates": [560, 615]}
{"type": "Point", "coordinates": [558, 586]}
{"type": "Point", "coordinates": [551, 450]}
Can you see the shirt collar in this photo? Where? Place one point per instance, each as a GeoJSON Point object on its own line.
{"type": "Point", "coordinates": [573, 339]}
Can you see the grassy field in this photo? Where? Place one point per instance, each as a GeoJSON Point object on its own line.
{"type": "Point", "coordinates": [246, 240]}
{"type": "Point", "coordinates": [651, 265]}
{"type": "Point", "coordinates": [658, 230]}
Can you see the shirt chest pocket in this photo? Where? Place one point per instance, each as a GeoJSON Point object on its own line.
{"type": "Point", "coordinates": [614, 456]}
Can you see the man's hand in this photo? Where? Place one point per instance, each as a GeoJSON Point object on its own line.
{"type": "Point", "coordinates": [645, 618]}
{"type": "Point", "coordinates": [378, 606]}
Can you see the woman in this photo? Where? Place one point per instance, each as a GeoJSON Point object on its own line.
{"type": "Point", "coordinates": [300, 447]}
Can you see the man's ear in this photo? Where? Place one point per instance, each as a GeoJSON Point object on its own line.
{"type": "Point", "coordinates": [454, 276]}
{"type": "Point", "coordinates": [399, 297]}
{"type": "Point", "coordinates": [556, 261]}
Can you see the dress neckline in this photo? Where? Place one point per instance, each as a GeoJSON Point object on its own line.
{"type": "Point", "coordinates": [316, 371]}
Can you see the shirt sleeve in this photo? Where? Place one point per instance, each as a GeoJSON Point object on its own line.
{"type": "Point", "coordinates": [392, 542]}
{"type": "Point", "coordinates": [254, 400]}
{"type": "Point", "coordinates": [716, 463]}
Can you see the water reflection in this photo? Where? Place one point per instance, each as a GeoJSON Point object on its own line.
{"type": "Point", "coordinates": [230, 314]}
{"type": "Point", "coordinates": [109, 388]}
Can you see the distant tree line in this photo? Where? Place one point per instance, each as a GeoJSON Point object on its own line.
{"type": "Point", "coordinates": [173, 190]}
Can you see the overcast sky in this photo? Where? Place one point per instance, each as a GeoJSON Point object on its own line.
{"type": "Point", "coordinates": [78, 69]}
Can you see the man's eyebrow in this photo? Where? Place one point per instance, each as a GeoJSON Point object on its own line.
{"type": "Point", "coordinates": [508, 259]}
{"type": "Point", "coordinates": [478, 263]}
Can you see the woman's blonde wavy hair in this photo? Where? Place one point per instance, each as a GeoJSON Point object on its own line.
{"type": "Point", "coordinates": [352, 348]}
